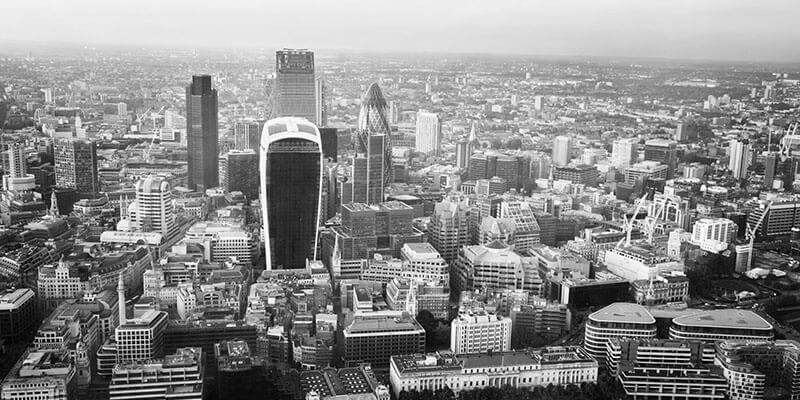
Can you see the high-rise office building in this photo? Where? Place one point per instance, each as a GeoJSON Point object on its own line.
{"type": "Point", "coordinates": [236, 169]}
{"type": "Point", "coordinates": [373, 120]}
{"type": "Point", "coordinates": [153, 210]}
{"type": "Point", "coordinates": [429, 133]}
{"type": "Point", "coordinates": [370, 171]}
{"type": "Point", "coordinates": [449, 228]}
{"type": "Point", "coordinates": [770, 169]}
{"type": "Point", "coordinates": [291, 191]}
{"type": "Point", "coordinates": [663, 151]}
{"type": "Point", "coordinates": [330, 143]}
{"type": "Point", "coordinates": [247, 134]}
{"type": "Point", "coordinates": [375, 338]}
{"type": "Point", "coordinates": [295, 85]}
{"type": "Point", "coordinates": [739, 158]}
{"type": "Point", "coordinates": [562, 150]}
{"type": "Point", "coordinates": [76, 165]}
{"type": "Point", "coordinates": [618, 320]}
{"type": "Point", "coordinates": [202, 133]}
{"type": "Point", "coordinates": [321, 99]}
{"type": "Point", "coordinates": [624, 152]}
{"type": "Point", "coordinates": [17, 177]}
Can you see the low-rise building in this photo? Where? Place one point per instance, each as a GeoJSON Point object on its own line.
{"type": "Point", "coordinates": [375, 338]}
{"type": "Point", "coordinates": [178, 375]}
{"type": "Point", "coordinates": [479, 332]}
{"type": "Point", "coordinates": [41, 375]}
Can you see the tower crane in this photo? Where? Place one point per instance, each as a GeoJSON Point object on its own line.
{"type": "Point", "coordinates": [628, 223]}
{"type": "Point", "coordinates": [751, 234]}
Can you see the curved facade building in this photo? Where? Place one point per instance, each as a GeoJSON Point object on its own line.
{"type": "Point", "coordinates": [373, 120]}
{"type": "Point", "coordinates": [617, 320]}
{"type": "Point", "coordinates": [728, 324]}
{"type": "Point", "coordinates": [291, 191]}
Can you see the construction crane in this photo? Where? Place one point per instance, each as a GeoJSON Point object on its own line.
{"type": "Point", "coordinates": [628, 223]}
{"type": "Point", "coordinates": [750, 233]}
{"type": "Point", "coordinates": [149, 148]}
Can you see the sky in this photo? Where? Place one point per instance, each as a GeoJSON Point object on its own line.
{"type": "Point", "coordinates": [737, 30]}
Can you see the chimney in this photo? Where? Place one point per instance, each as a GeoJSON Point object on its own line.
{"type": "Point", "coordinates": [121, 299]}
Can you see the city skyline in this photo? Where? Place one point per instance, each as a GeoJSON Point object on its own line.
{"type": "Point", "coordinates": [710, 30]}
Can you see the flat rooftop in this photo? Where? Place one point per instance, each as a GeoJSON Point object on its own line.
{"type": "Point", "coordinates": [728, 318]}
{"type": "Point", "coordinates": [365, 324]}
{"type": "Point", "coordinates": [623, 312]}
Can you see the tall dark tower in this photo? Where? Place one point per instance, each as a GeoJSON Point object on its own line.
{"type": "Point", "coordinates": [202, 133]}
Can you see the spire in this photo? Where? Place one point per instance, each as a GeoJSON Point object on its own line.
{"type": "Point", "coordinates": [54, 205]}
{"type": "Point", "coordinates": [121, 299]}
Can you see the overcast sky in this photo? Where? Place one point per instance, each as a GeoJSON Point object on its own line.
{"type": "Point", "coordinates": [748, 30]}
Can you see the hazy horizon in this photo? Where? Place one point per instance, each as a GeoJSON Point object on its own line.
{"type": "Point", "coordinates": [713, 30]}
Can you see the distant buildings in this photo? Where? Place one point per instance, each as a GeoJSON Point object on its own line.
{"type": "Point", "coordinates": [237, 172]}
{"type": "Point", "coordinates": [202, 133]}
{"type": "Point", "coordinates": [247, 134]}
{"type": "Point", "coordinates": [624, 152]}
{"type": "Point", "coordinates": [291, 190]}
{"type": "Point", "coordinates": [663, 151]}
{"type": "Point", "coordinates": [562, 150]}
{"type": "Point", "coordinates": [295, 85]}
{"type": "Point", "coordinates": [520, 368]}
{"type": "Point", "coordinates": [429, 133]}
{"type": "Point", "coordinates": [76, 165]}
{"type": "Point", "coordinates": [740, 158]}
{"type": "Point", "coordinates": [480, 332]}
{"type": "Point", "coordinates": [578, 174]}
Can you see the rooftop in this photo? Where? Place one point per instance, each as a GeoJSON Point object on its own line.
{"type": "Point", "coordinates": [623, 313]}
{"type": "Point", "coordinates": [727, 318]}
{"type": "Point", "coordinates": [366, 324]}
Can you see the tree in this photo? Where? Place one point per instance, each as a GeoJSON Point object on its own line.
{"type": "Point", "coordinates": [496, 144]}
{"type": "Point", "coordinates": [514, 144]}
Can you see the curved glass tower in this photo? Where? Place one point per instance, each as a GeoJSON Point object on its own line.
{"type": "Point", "coordinates": [372, 121]}
{"type": "Point", "coordinates": [291, 191]}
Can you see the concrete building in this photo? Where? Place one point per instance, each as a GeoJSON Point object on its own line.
{"type": "Point", "coordinates": [726, 324]}
{"type": "Point", "coordinates": [635, 263]}
{"type": "Point", "coordinates": [429, 133]}
{"type": "Point", "coordinates": [422, 263]}
{"type": "Point", "coordinates": [480, 332]}
{"type": "Point", "coordinates": [714, 234]}
{"type": "Point", "coordinates": [562, 150]}
{"type": "Point", "coordinates": [520, 368]}
{"type": "Point", "coordinates": [449, 228]}
{"type": "Point", "coordinates": [640, 172]}
{"type": "Point", "coordinates": [295, 93]}
{"type": "Point", "coordinates": [178, 375]}
{"type": "Point", "coordinates": [578, 174]}
{"type": "Point", "coordinates": [17, 314]}
{"type": "Point", "coordinates": [40, 375]}
{"type": "Point", "coordinates": [236, 172]}
{"type": "Point", "coordinates": [76, 165]}
{"type": "Point", "coordinates": [624, 152]}
{"type": "Point", "coordinates": [740, 157]}
{"type": "Point", "coordinates": [202, 133]}
{"type": "Point", "coordinates": [153, 210]}
{"type": "Point", "coordinates": [375, 338]}
{"type": "Point", "coordinates": [618, 320]}
{"type": "Point", "coordinates": [751, 367]}
{"type": "Point", "coordinates": [494, 267]}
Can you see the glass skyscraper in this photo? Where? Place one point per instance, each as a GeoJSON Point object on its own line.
{"type": "Point", "coordinates": [295, 85]}
{"type": "Point", "coordinates": [202, 133]}
{"type": "Point", "coordinates": [373, 121]}
{"type": "Point", "coordinates": [291, 191]}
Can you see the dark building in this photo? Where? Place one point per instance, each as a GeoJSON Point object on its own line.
{"type": "Point", "coordinates": [17, 315]}
{"type": "Point", "coordinates": [577, 174]}
{"type": "Point", "coordinates": [76, 165]}
{"type": "Point", "coordinates": [374, 339]}
{"type": "Point", "coordinates": [663, 151]}
{"type": "Point", "coordinates": [583, 293]}
{"type": "Point", "coordinates": [482, 166]}
{"type": "Point", "coordinates": [295, 85]}
{"type": "Point", "coordinates": [373, 121]}
{"type": "Point", "coordinates": [239, 375]}
{"type": "Point", "coordinates": [547, 227]}
{"type": "Point", "coordinates": [770, 168]}
{"type": "Point", "coordinates": [291, 191]}
{"type": "Point", "coordinates": [236, 172]}
{"type": "Point", "coordinates": [202, 133]}
{"type": "Point", "coordinates": [369, 171]}
{"type": "Point", "coordinates": [206, 334]}
{"type": "Point", "coordinates": [330, 143]}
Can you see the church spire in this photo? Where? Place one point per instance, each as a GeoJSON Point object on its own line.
{"type": "Point", "coordinates": [54, 205]}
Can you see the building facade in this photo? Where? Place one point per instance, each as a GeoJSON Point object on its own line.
{"type": "Point", "coordinates": [202, 133]}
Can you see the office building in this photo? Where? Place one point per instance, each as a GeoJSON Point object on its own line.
{"type": "Point", "coordinates": [291, 191]}
{"type": "Point", "coordinates": [624, 152]}
{"type": "Point", "coordinates": [153, 210]}
{"type": "Point", "coordinates": [578, 174]}
{"type": "Point", "coordinates": [740, 157]}
{"type": "Point", "coordinates": [663, 151]}
{"type": "Point", "coordinates": [140, 338]}
{"type": "Point", "coordinates": [178, 375]}
{"type": "Point", "coordinates": [202, 133]}
{"type": "Point", "coordinates": [236, 172]}
{"type": "Point", "coordinates": [663, 289]}
{"type": "Point", "coordinates": [17, 177]}
{"type": "Point", "coordinates": [429, 133]}
{"type": "Point", "coordinates": [618, 320]}
{"type": "Point", "coordinates": [375, 338]}
{"type": "Point", "coordinates": [41, 375]}
{"type": "Point", "coordinates": [17, 314]}
{"type": "Point", "coordinates": [223, 242]}
{"type": "Point", "coordinates": [321, 102]}
{"type": "Point", "coordinates": [482, 166]}
{"type": "Point", "coordinates": [727, 324]}
{"type": "Point", "coordinates": [494, 267]}
{"type": "Point", "coordinates": [634, 263]}
{"type": "Point", "coordinates": [526, 229]}
{"type": "Point", "coordinates": [657, 382]}
{"type": "Point", "coordinates": [422, 263]}
{"type": "Point", "coordinates": [480, 332]}
{"type": "Point", "coordinates": [752, 367]}
{"type": "Point", "coordinates": [359, 383]}
{"type": "Point", "coordinates": [783, 214]}
{"type": "Point", "coordinates": [76, 165]}
{"type": "Point", "coordinates": [247, 134]}
{"type": "Point", "coordinates": [641, 172]}
{"type": "Point", "coordinates": [330, 143]}
{"type": "Point", "coordinates": [714, 234]}
{"type": "Point", "coordinates": [370, 171]}
{"type": "Point", "coordinates": [373, 120]}
{"type": "Point", "coordinates": [544, 319]}
{"type": "Point", "coordinates": [295, 85]}
{"type": "Point", "coordinates": [562, 150]}
{"type": "Point", "coordinates": [771, 161]}
{"type": "Point", "coordinates": [520, 369]}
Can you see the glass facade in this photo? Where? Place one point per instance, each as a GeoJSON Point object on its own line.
{"type": "Point", "coordinates": [202, 133]}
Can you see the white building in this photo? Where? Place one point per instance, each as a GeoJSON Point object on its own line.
{"type": "Point", "coordinates": [618, 320]}
{"type": "Point", "coordinates": [562, 150]}
{"type": "Point", "coordinates": [740, 158]}
{"type": "Point", "coordinates": [520, 368]}
{"type": "Point", "coordinates": [224, 241]}
{"type": "Point", "coordinates": [644, 170]}
{"type": "Point", "coordinates": [153, 210]}
{"type": "Point", "coordinates": [422, 263]}
{"type": "Point", "coordinates": [429, 133]}
{"type": "Point", "coordinates": [714, 234]}
{"type": "Point", "coordinates": [634, 263]}
{"type": "Point", "coordinates": [479, 333]}
{"type": "Point", "coordinates": [624, 152]}
{"type": "Point", "coordinates": [178, 375]}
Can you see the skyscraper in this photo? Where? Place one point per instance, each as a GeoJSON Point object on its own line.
{"type": "Point", "coordinates": [202, 133]}
{"type": "Point", "coordinates": [369, 171]}
{"type": "Point", "coordinates": [236, 169]}
{"type": "Point", "coordinates": [76, 165]}
{"type": "Point", "coordinates": [739, 158]}
{"type": "Point", "coordinates": [429, 133]}
{"type": "Point", "coordinates": [373, 120]}
{"type": "Point", "coordinates": [153, 210]}
{"type": "Point", "coordinates": [562, 150]}
{"type": "Point", "coordinates": [663, 151]}
{"type": "Point", "coordinates": [247, 134]}
{"type": "Point", "coordinates": [321, 99]}
{"type": "Point", "coordinates": [295, 85]}
{"type": "Point", "coordinates": [291, 191]}
{"type": "Point", "coordinates": [623, 152]}
{"type": "Point", "coordinates": [18, 177]}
